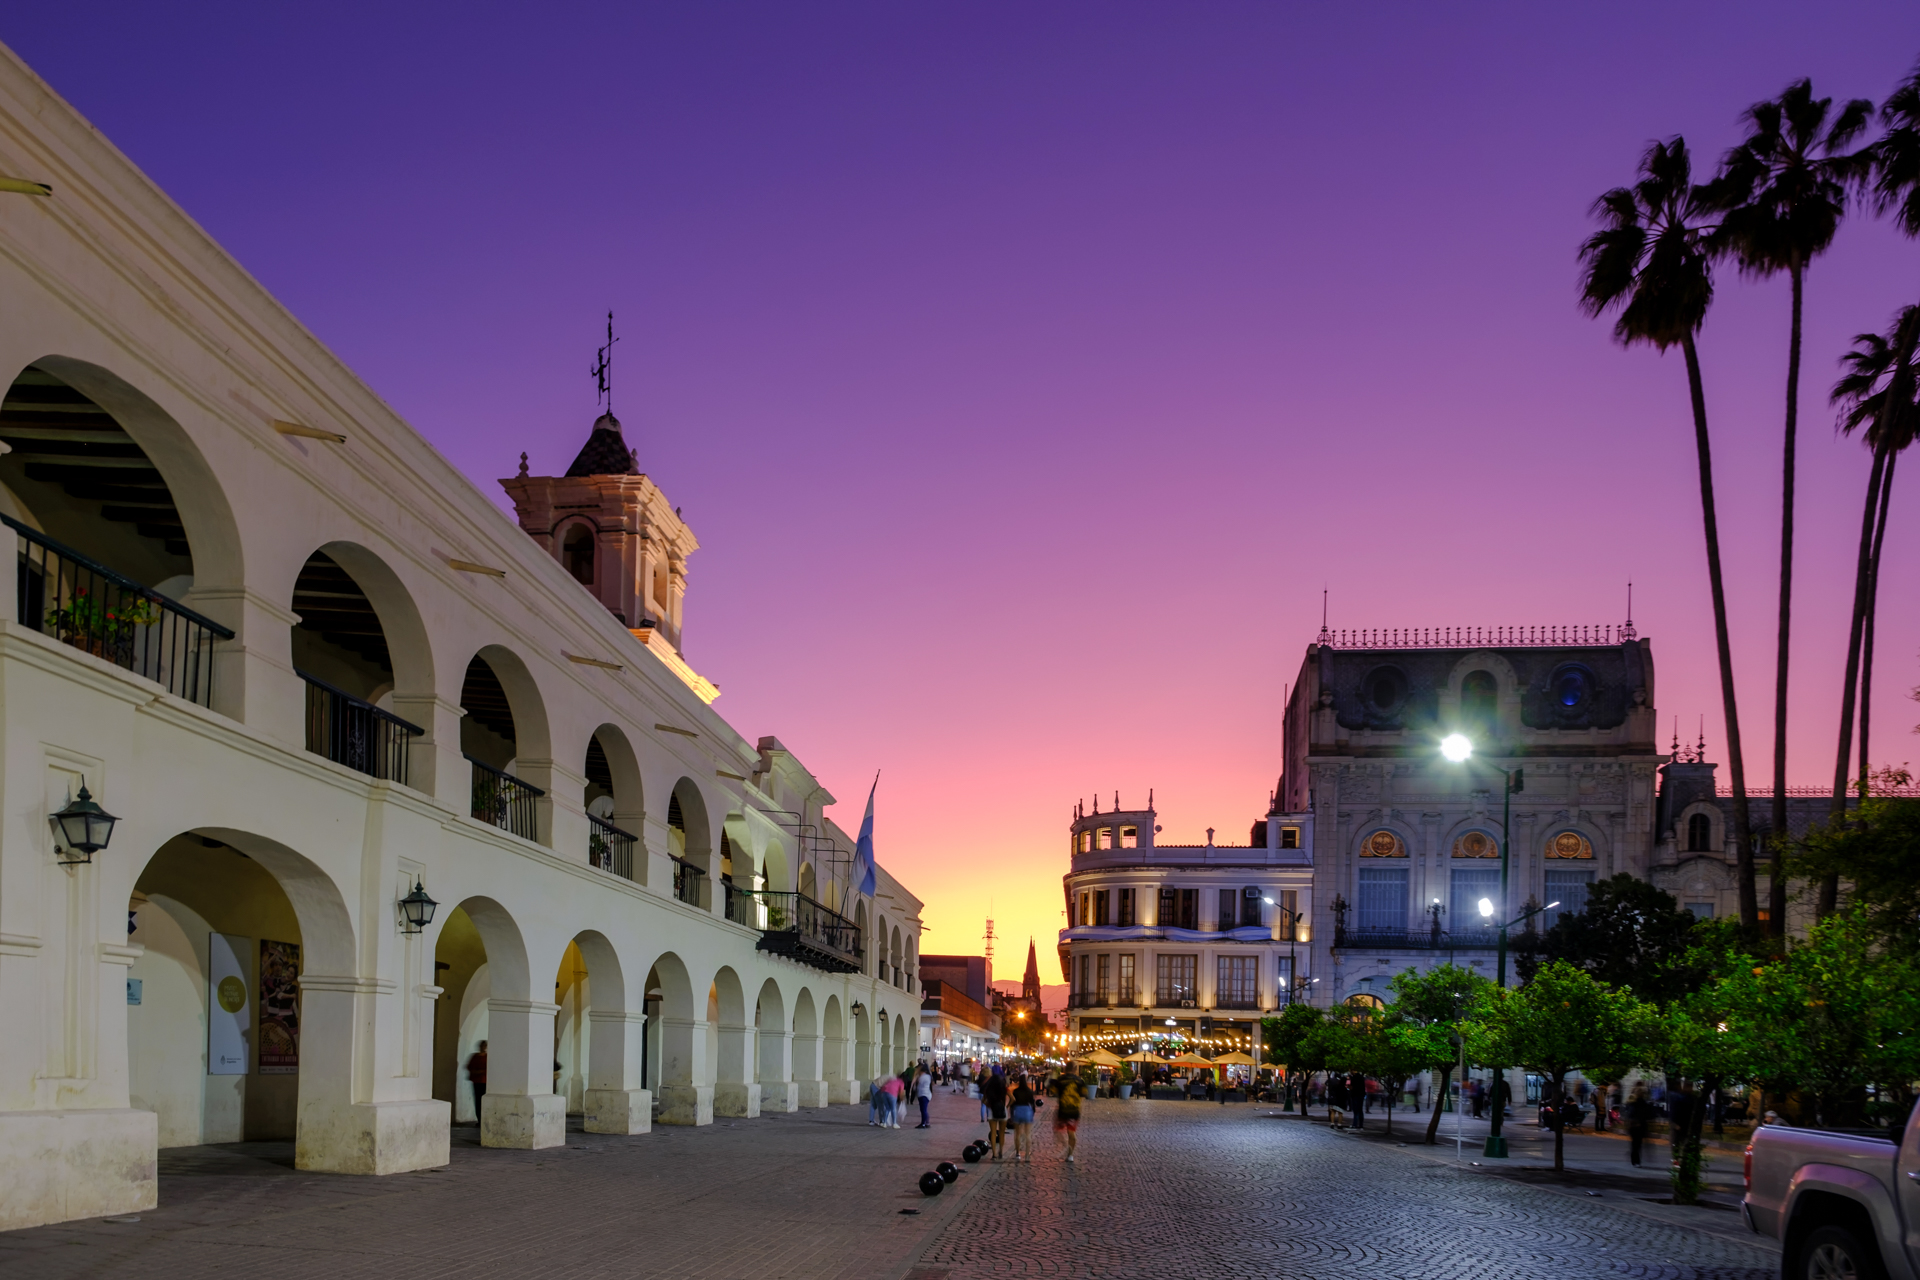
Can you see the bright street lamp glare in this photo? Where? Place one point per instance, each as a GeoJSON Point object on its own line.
{"type": "Point", "coordinates": [1268, 901]}
{"type": "Point", "coordinates": [1486, 906]}
{"type": "Point", "coordinates": [1456, 747]}
{"type": "Point", "coordinates": [1550, 906]}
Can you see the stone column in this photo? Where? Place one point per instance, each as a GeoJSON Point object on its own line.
{"type": "Point", "coordinates": [734, 1094]}
{"type": "Point", "coordinates": [776, 1071]}
{"type": "Point", "coordinates": [615, 1100]}
{"type": "Point", "coordinates": [521, 1109]}
{"type": "Point", "coordinates": [686, 1091]}
{"type": "Point", "coordinates": [810, 1090]}
{"type": "Point", "coordinates": [842, 1088]}
{"type": "Point", "coordinates": [339, 1129]}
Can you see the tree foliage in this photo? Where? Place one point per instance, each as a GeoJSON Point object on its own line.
{"type": "Point", "coordinates": [1631, 934]}
{"type": "Point", "coordinates": [1875, 849]}
{"type": "Point", "coordinates": [1562, 1020]}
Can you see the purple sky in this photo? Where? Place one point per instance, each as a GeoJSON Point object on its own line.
{"type": "Point", "coordinates": [1027, 371]}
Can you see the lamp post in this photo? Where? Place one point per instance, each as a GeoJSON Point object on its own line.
{"type": "Point", "coordinates": [84, 828]}
{"type": "Point", "coordinates": [1458, 748]}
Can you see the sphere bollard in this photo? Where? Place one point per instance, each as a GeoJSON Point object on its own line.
{"type": "Point", "coordinates": [948, 1169]}
{"type": "Point", "coordinates": [972, 1155]}
{"type": "Point", "coordinates": [932, 1184]}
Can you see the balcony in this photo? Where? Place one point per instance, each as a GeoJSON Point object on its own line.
{"type": "Point", "coordinates": [1094, 1000]}
{"type": "Point", "coordinates": [741, 906]}
{"type": "Point", "coordinates": [357, 734]}
{"type": "Point", "coordinates": [610, 848]}
{"type": "Point", "coordinates": [801, 929]}
{"type": "Point", "coordinates": [686, 881]}
{"type": "Point", "coordinates": [1236, 1002]}
{"type": "Point", "coordinates": [503, 801]}
{"type": "Point", "coordinates": [81, 602]}
{"type": "Point", "coordinates": [1429, 939]}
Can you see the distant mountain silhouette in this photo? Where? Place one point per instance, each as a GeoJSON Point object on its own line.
{"type": "Point", "coordinates": [1053, 999]}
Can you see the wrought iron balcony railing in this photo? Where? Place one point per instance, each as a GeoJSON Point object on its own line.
{"type": "Point", "coordinates": [80, 602]}
{"type": "Point", "coordinates": [1428, 939]}
{"type": "Point", "coordinates": [610, 848]}
{"type": "Point", "coordinates": [686, 881]}
{"type": "Point", "coordinates": [741, 906]}
{"type": "Point", "coordinates": [502, 800]}
{"type": "Point", "coordinates": [807, 931]}
{"type": "Point", "coordinates": [357, 734]}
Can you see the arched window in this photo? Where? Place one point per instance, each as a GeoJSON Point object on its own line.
{"type": "Point", "coordinates": [1479, 698]}
{"type": "Point", "coordinates": [1699, 834]}
{"type": "Point", "coordinates": [576, 553]}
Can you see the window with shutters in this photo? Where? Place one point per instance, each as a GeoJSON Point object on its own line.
{"type": "Point", "coordinates": [1126, 906]}
{"type": "Point", "coordinates": [1229, 909]}
{"type": "Point", "coordinates": [1237, 980]}
{"type": "Point", "coordinates": [1176, 981]}
{"type": "Point", "coordinates": [1383, 899]}
{"type": "Point", "coordinates": [1127, 992]}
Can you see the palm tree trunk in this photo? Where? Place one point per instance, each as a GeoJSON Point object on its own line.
{"type": "Point", "coordinates": [1899, 392]}
{"type": "Point", "coordinates": [1829, 895]}
{"type": "Point", "coordinates": [1873, 611]}
{"type": "Point", "coordinates": [1736, 762]}
{"type": "Point", "coordinates": [1777, 824]}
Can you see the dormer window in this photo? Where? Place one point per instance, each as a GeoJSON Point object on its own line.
{"type": "Point", "coordinates": [1699, 834]}
{"type": "Point", "coordinates": [1289, 837]}
{"type": "Point", "coordinates": [1129, 837]}
{"type": "Point", "coordinates": [1085, 843]}
{"type": "Point", "coordinates": [1106, 837]}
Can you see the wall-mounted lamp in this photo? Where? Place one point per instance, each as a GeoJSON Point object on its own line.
{"type": "Point", "coordinates": [416, 909]}
{"type": "Point", "coordinates": [83, 827]}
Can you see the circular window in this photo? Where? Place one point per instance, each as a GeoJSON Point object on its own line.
{"type": "Point", "coordinates": [1476, 844]}
{"type": "Point", "coordinates": [1386, 688]}
{"type": "Point", "coordinates": [1383, 844]}
{"type": "Point", "coordinates": [1571, 686]}
{"type": "Point", "coordinates": [1569, 844]}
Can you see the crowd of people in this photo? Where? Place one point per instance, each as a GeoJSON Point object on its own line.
{"type": "Point", "coordinates": [1009, 1099]}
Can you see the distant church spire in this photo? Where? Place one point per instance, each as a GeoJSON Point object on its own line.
{"type": "Point", "coordinates": [1030, 984]}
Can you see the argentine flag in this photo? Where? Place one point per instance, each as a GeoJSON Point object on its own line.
{"type": "Point", "coordinates": [863, 849]}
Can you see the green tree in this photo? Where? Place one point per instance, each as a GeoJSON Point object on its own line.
{"type": "Point", "coordinates": [1875, 849]}
{"type": "Point", "coordinates": [1361, 1040]}
{"type": "Point", "coordinates": [1784, 192]}
{"type": "Point", "coordinates": [1631, 934]}
{"type": "Point", "coordinates": [1290, 1041]}
{"type": "Point", "coordinates": [1561, 1021]}
{"type": "Point", "coordinates": [1429, 1009]}
{"type": "Point", "coordinates": [1649, 262]}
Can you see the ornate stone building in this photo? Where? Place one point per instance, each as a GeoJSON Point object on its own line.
{"type": "Point", "coordinates": [1404, 843]}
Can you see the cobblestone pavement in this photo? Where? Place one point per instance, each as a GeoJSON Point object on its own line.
{"type": "Point", "coordinates": [1163, 1189]}
{"type": "Point", "coordinates": [813, 1193]}
{"type": "Point", "coordinates": [1170, 1189]}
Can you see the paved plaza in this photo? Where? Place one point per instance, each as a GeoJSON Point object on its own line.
{"type": "Point", "coordinates": [1165, 1190]}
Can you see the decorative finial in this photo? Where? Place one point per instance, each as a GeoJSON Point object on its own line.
{"type": "Point", "coordinates": [603, 367]}
{"type": "Point", "coordinates": [523, 464]}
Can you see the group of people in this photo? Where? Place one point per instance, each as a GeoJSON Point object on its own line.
{"type": "Point", "coordinates": [1004, 1101]}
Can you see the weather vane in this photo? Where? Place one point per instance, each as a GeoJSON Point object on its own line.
{"type": "Point", "coordinates": [603, 366]}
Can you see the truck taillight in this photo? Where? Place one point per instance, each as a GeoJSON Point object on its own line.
{"type": "Point", "coordinates": [1746, 1167]}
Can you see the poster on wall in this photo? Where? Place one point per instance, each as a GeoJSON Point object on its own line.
{"type": "Point", "coordinates": [229, 1010]}
{"type": "Point", "coordinates": [279, 1008]}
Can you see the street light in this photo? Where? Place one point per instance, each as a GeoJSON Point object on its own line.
{"type": "Point", "coordinates": [83, 827]}
{"type": "Point", "coordinates": [1458, 748]}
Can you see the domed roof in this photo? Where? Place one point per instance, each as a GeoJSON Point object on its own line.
{"type": "Point", "coordinates": [605, 452]}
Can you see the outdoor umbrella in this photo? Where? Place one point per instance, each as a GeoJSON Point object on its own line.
{"type": "Point", "coordinates": [1233, 1060]}
{"type": "Point", "coordinates": [1103, 1058]}
{"type": "Point", "coordinates": [1189, 1060]}
{"type": "Point", "coordinates": [1144, 1056]}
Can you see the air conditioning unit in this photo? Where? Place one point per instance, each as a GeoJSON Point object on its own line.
{"type": "Point", "coordinates": [1189, 1004]}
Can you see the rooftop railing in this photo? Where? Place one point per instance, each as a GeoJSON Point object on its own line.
{"type": "Point", "coordinates": [1477, 637]}
{"type": "Point", "coordinates": [80, 602]}
{"type": "Point", "coordinates": [503, 801]}
{"type": "Point", "coordinates": [350, 731]}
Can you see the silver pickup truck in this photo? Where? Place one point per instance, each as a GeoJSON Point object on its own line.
{"type": "Point", "coordinates": [1842, 1206]}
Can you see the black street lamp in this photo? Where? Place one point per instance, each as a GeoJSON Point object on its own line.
{"type": "Point", "coordinates": [1458, 748]}
{"type": "Point", "coordinates": [416, 909]}
{"type": "Point", "coordinates": [84, 828]}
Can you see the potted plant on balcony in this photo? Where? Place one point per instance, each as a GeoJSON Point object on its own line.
{"type": "Point", "coordinates": [86, 623]}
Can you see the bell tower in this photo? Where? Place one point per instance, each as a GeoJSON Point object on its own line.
{"type": "Point", "coordinates": [613, 530]}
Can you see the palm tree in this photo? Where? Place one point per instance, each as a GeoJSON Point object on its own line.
{"type": "Point", "coordinates": [1876, 393]}
{"type": "Point", "coordinates": [1895, 183]}
{"type": "Point", "coordinates": [1784, 193]}
{"type": "Point", "coordinates": [1650, 262]}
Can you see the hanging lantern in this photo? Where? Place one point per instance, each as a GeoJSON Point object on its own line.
{"type": "Point", "coordinates": [83, 827]}
{"type": "Point", "coordinates": [416, 909]}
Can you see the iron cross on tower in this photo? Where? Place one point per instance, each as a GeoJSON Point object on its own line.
{"type": "Point", "coordinates": [603, 366]}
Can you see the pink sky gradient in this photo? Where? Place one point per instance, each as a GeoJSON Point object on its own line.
{"type": "Point", "coordinates": [1027, 371]}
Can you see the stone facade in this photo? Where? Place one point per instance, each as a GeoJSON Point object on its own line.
{"type": "Point", "coordinates": [1165, 939]}
{"type": "Point", "coordinates": [1405, 843]}
{"type": "Point", "coordinates": [312, 668]}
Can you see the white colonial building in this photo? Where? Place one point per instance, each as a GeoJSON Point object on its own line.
{"type": "Point", "coordinates": [318, 677]}
{"type": "Point", "coordinates": [1193, 941]}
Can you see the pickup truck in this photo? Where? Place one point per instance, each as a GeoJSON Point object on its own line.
{"type": "Point", "coordinates": [1843, 1206]}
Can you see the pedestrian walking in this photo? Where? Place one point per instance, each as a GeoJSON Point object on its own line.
{"type": "Point", "coordinates": [1023, 1100]}
{"type": "Point", "coordinates": [993, 1101]}
{"type": "Point", "coordinates": [1639, 1119]}
{"type": "Point", "coordinates": [477, 1073]}
{"type": "Point", "coordinates": [923, 1094]}
{"type": "Point", "coordinates": [1066, 1116]}
{"type": "Point", "coordinates": [877, 1101]}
